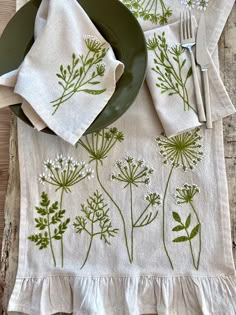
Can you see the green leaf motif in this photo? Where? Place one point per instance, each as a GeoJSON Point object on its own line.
{"type": "Point", "coordinates": [176, 217]}
{"type": "Point", "coordinates": [188, 222]}
{"type": "Point", "coordinates": [50, 215]}
{"type": "Point", "coordinates": [195, 231]}
{"type": "Point", "coordinates": [181, 239]}
{"type": "Point", "coordinates": [93, 92]}
{"type": "Point", "coordinates": [178, 228]}
{"type": "Point", "coordinates": [189, 74]}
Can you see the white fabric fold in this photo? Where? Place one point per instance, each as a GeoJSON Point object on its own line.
{"type": "Point", "coordinates": [125, 295]}
{"type": "Point", "coordinates": [171, 85]}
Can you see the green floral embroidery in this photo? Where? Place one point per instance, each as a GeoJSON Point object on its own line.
{"type": "Point", "coordinates": [64, 173]}
{"type": "Point", "coordinates": [98, 145]}
{"type": "Point", "coordinates": [83, 72]}
{"type": "Point", "coordinates": [185, 195]}
{"type": "Point", "coordinates": [133, 173]}
{"type": "Point", "coordinates": [170, 68]}
{"type": "Point", "coordinates": [95, 221]}
{"type": "Point", "coordinates": [199, 4]}
{"type": "Point", "coordinates": [189, 236]}
{"type": "Point", "coordinates": [180, 151]}
{"type": "Point", "coordinates": [49, 224]}
{"type": "Point", "coordinates": [148, 10]}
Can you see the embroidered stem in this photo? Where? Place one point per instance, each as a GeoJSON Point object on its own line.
{"type": "Point", "coordinates": [191, 249]}
{"type": "Point", "coordinates": [50, 239]}
{"type": "Point", "coordinates": [163, 217]}
{"type": "Point", "coordinates": [90, 243]}
{"type": "Point", "coordinates": [62, 243]}
{"type": "Point", "coordinates": [119, 210]}
{"type": "Point", "coordinates": [200, 235]}
{"type": "Point", "coordinates": [132, 222]}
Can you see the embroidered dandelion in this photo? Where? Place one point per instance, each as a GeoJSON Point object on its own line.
{"type": "Point", "coordinates": [64, 173]}
{"type": "Point", "coordinates": [184, 151]}
{"type": "Point", "coordinates": [181, 151]}
{"type": "Point", "coordinates": [99, 144]}
{"type": "Point", "coordinates": [133, 173]}
{"type": "Point", "coordinates": [186, 195]}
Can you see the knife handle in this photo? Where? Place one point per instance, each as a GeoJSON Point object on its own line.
{"type": "Point", "coordinates": [207, 99]}
{"type": "Point", "coordinates": [200, 106]}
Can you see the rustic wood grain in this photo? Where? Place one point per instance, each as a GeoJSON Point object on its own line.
{"type": "Point", "coordinates": [4, 157]}
{"type": "Point", "coordinates": [10, 244]}
{"type": "Point", "coordinates": [7, 9]}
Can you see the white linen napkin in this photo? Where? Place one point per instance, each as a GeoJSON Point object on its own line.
{"type": "Point", "coordinates": [70, 73]}
{"type": "Point", "coordinates": [170, 81]}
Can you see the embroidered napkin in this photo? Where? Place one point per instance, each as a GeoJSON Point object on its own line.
{"type": "Point", "coordinates": [137, 235]}
{"type": "Point", "coordinates": [70, 73]}
{"type": "Point", "coordinates": [170, 81]}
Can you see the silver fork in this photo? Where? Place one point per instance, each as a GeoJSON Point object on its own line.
{"type": "Point", "coordinates": [188, 40]}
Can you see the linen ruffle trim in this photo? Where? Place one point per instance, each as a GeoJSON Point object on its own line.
{"type": "Point", "coordinates": [125, 295]}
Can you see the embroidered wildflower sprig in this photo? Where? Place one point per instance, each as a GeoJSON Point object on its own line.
{"type": "Point", "coordinates": [132, 173]}
{"type": "Point", "coordinates": [99, 144]}
{"type": "Point", "coordinates": [183, 151]}
{"type": "Point", "coordinates": [95, 221]}
{"type": "Point", "coordinates": [189, 236]}
{"type": "Point", "coordinates": [83, 72]}
{"type": "Point", "coordinates": [186, 195]}
{"type": "Point", "coordinates": [63, 174]}
{"type": "Point", "coordinates": [170, 67]}
{"type": "Point", "coordinates": [198, 4]}
{"type": "Point", "coordinates": [149, 10]}
{"type": "Point", "coordinates": [50, 224]}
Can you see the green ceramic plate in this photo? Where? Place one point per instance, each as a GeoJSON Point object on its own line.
{"type": "Point", "coordinates": [116, 24]}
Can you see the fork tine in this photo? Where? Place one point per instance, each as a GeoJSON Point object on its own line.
{"type": "Point", "coordinates": [188, 25]}
{"type": "Point", "coordinates": [191, 26]}
{"type": "Point", "coordinates": [181, 27]}
{"type": "Point", "coordinates": [185, 26]}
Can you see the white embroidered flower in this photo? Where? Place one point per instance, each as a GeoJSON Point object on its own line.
{"type": "Point", "coordinates": [189, 4]}
{"type": "Point", "coordinates": [89, 173]}
{"type": "Point", "coordinates": [42, 178]}
{"type": "Point", "coordinates": [202, 4]}
{"type": "Point", "coordinates": [49, 164]}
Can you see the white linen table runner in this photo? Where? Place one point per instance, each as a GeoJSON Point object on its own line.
{"type": "Point", "coordinates": [128, 222]}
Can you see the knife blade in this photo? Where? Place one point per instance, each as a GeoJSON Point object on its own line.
{"type": "Point", "coordinates": [203, 60]}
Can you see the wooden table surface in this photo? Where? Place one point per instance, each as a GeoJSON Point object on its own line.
{"type": "Point", "coordinates": [227, 52]}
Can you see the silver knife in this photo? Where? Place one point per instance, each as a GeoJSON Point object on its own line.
{"type": "Point", "coordinates": [203, 59]}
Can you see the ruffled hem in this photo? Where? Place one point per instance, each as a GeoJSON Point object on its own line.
{"type": "Point", "coordinates": [125, 295]}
